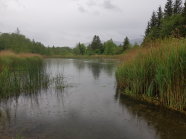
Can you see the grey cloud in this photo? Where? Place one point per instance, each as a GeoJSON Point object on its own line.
{"type": "Point", "coordinates": [91, 3]}
{"type": "Point", "coordinates": [96, 13]}
{"type": "Point", "coordinates": [4, 4]}
{"type": "Point", "coordinates": [82, 9]}
{"type": "Point", "coordinates": [108, 5]}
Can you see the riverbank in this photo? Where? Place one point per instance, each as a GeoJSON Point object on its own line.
{"type": "Point", "coordinates": [156, 74]}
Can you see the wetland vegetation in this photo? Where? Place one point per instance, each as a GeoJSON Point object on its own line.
{"type": "Point", "coordinates": [87, 91]}
{"type": "Point", "coordinates": [156, 74]}
{"type": "Point", "coordinates": [20, 73]}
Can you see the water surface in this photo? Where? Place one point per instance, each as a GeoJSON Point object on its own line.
{"type": "Point", "coordinates": [88, 108]}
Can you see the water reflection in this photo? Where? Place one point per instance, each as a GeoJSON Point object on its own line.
{"type": "Point", "coordinates": [90, 107]}
{"type": "Point", "coordinates": [167, 124]}
{"type": "Point", "coordinates": [96, 66]}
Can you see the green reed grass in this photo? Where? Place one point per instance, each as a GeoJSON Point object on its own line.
{"type": "Point", "coordinates": [21, 74]}
{"type": "Point", "coordinates": [159, 74]}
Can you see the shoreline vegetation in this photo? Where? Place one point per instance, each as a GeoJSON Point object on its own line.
{"type": "Point", "coordinates": [156, 73]}
{"type": "Point", "coordinates": [20, 73]}
{"type": "Point", "coordinates": [25, 73]}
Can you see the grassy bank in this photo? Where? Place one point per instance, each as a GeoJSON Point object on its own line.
{"type": "Point", "coordinates": [20, 73]}
{"type": "Point", "coordinates": [156, 73]}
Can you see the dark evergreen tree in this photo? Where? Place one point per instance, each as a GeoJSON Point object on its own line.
{"type": "Point", "coordinates": [96, 44]}
{"type": "Point", "coordinates": [160, 16]}
{"type": "Point", "coordinates": [153, 21]}
{"type": "Point", "coordinates": [147, 31]}
{"type": "Point", "coordinates": [184, 9]}
{"type": "Point", "coordinates": [126, 43]}
{"type": "Point", "coordinates": [170, 23]}
{"type": "Point", "coordinates": [168, 8]}
{"type": "Point", "coordinates": [177, 7]}
{"type": "Point", "coordinates": [184, 22]}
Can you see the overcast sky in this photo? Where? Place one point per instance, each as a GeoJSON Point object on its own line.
{"type": "Point", "coordinates": [66, 22]}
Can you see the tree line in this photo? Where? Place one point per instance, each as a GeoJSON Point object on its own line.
{"type": "Point", "coordinates": [19, 43]}
{"type": "Point", "coordinates": [170, 22]}
{"type": "Point", "coordinates": [106, 48]}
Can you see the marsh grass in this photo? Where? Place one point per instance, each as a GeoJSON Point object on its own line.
{"type": "Point", "coordinates": [21, 73]}
{"type": "Point", "coordinates": [25, 73]}
{"type": "Point", "coordinates": [157, 72]}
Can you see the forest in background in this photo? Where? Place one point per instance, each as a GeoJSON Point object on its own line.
{"type": "Point", "coordinates": [170, 22]}
{"type": "Point", "coordinates": [20, 44]}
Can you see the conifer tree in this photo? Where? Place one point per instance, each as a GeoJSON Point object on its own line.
{"type": "Point", "coordinates": [147, 31]}
{"type": "Point", "coordinates": [153, 21]}
{"type": "Point", "coordinates": [184, 9]}
{"type": "Point", "coordinates": [96, 44]}
{"type": "Point", "coordinates": [160, 16]}
{"type": "Point", "coordinates": [126, 43]}
{"type": "Point", "coordinates": [168, 8]}
{"type": "Point", "coordinates": [177, 7]}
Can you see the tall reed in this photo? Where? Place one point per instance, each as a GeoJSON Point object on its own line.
{"type": "Point", "coordinates": [157, 72]}
{"type": "Point", "coordinates": [20, 73]}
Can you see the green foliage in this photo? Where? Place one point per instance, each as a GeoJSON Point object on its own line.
{"type": "Point", "coordinates": [20, 44]}
{"type": "Point", "coordinates": [110, 48]}
{"type": "Point", "coordinates": [172, 26]}
{"type": "Point", "coordinates": [59, 51]}
{"type": "Point", "coordinates": [80, 49]}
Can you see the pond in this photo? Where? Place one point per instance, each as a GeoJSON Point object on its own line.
{"type": "Point", "coordinates": [89, 107]}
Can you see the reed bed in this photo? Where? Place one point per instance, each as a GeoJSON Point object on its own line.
{"type": "Point", "coordinates": [156, 72]}
{"type": "Point", "coordinates": [20, 73]}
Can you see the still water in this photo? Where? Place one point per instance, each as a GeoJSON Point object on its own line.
{"type": "Point", "coordinates": [89, 107]}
